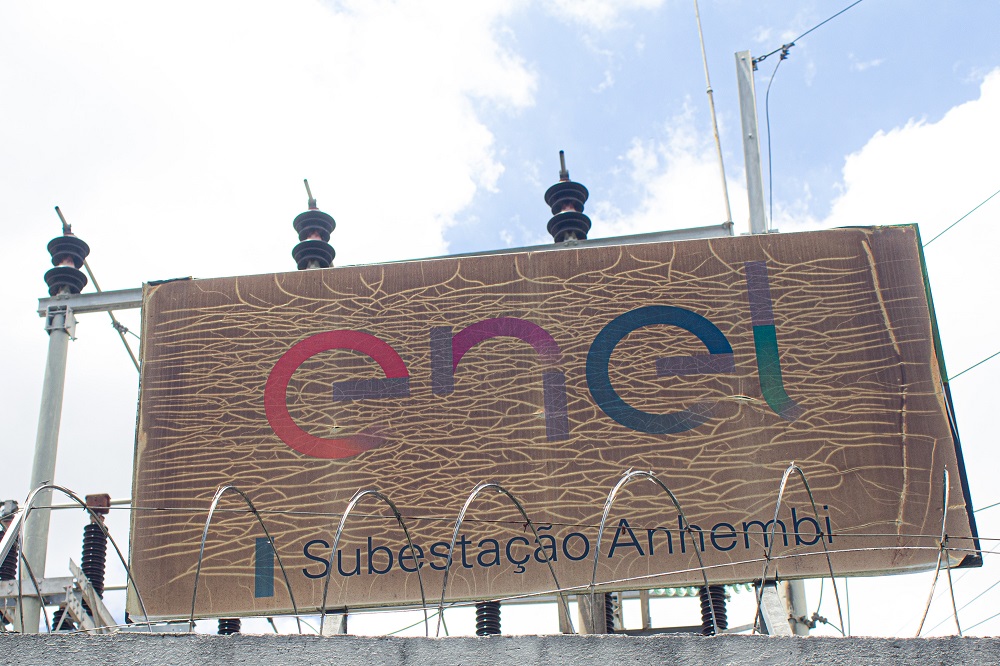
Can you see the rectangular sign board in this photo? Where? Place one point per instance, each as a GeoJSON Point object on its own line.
{"type": "Point", "coordinates": [713, 364]}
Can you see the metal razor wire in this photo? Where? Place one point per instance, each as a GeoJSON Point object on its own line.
{"type": "Point", "coordinates": [770, 544]}
{"type": "Point", "coordinates": [17, 524]}
{"type": "Point", "coordinates": [626, 477]}
{"type": "Point", "coordinates": [454, 537]}
{"type": "Point", "coordinates": [942, 555]}
{"type": "Point", "coordinates": [358, 496]}
{"type": "Point", "coordinates": [204, 537]}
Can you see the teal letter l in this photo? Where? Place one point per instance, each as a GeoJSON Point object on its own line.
{"type": "Point", "coordinates": [765, 341]}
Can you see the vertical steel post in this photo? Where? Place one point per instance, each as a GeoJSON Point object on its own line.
{"type": "Point", "coordinates": [751, 142]}
{"type": "Point", "coordinates": [60, 325]}
{"type": "Point", "coordinates": [798, 611]}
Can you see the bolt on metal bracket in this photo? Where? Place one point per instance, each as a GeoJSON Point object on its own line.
{"type": "Point", "coordinates": [68, 322]}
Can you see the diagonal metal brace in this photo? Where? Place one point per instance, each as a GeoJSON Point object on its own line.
{"type": "Point", "coordinates": [105, 621]}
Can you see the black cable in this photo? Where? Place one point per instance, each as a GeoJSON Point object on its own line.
{"type": "Point", "coordinates": [767, 118]}
{"type": "Point", "coordinates": [783, 49]}
{"type": "Point", "coordinates": [792, 43]}
{"type": "Point", "coordinates": [962, 218]}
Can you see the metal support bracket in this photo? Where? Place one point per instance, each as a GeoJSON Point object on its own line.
{"type": "Point", "coordinates": [773, 614]}
{"type": "Point", "coordinates": [336, 624]}
{"type": "Point", "coordinates": [8, 508]}
{"type": "Point", "coordinates": [10, 533]}
{"type": "Point", "coordinates": [60, 318]}
{"type": "Point", "coordinates": [590, 609]}
{"type": "Point", "coordinates": [105, 621]}
{"type": "Point", "coordinates": [53, 591]}
{"type": "Point", "coordinates": [66, 591]}
{"type": "Point", "coordinates": [74, 606]}
{"type": "Point", "coordinates": [105, 301]}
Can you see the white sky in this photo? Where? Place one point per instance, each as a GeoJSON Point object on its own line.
{"type": "Point", "coordinates": [175, 138]}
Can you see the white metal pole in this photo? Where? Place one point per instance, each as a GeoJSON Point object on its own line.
{"type": "Point", "coordinates": [798, 611]}
{"type": "Point", "coordinates": [59, 324]}
{"type": "Point", "coordinates": [715, 124]}
{"type": "Point", "coordinates": [751, 142]}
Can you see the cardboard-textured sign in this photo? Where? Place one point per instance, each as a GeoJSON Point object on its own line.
{"type": "Point", "coordinates": [714, 364]}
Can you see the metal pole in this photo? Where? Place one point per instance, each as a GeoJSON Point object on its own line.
{"type": "Point", "coordinates": [751, 142]}
{"type": "Point", "coordinates": [60, 324]}
{"type": "Point", "coordinates": [715, 124]}
{"type": "Point", "coordinates": [798, 611]}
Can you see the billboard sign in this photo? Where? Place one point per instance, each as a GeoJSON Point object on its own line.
{"type": "Point", "coordinates": [712, 363]}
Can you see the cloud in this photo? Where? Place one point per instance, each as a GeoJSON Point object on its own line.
{"type": "Point", "coordinates": [176, 137]}
{"type": "Point", "coordinates": [931, 174]}
{"type": "Point", "coordinates": [599, 14]}
{"type": "Point", "coordinates": [862, 65]}
{"type": "Point", "coordinates": [246, 99]}
{"type": "Point", "coordinates": [925, 172]}
{"type": "Point", "coordinates": [676, 183]}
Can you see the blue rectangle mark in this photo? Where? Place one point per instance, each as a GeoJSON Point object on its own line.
{"type": "Point", "coordinates": [263, 584]}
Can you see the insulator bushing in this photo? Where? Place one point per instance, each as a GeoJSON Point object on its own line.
{"type": "Point", "coordinates": [229, 626]}
{"type": "Point", "coordinates": [65, 278]}
{"type": "Point", "coordinates": [95, 552]}
{"type": "Point", "coordinates": [566, 200]}
{"type": "Point", "coordinates": [568, 226]}
{"type": "Point", "coordinates": [566, 193]}
{"type": "Point", "coordinates": [68, 247]}
{"type": "Point", "coordinates": [713, 597]}
{"type": "Point", "coordinates": [609, 612]}
{"type": "Point", "coordinates": [316, 252]}
{"type": "Point", "coordinates": [314, 222]}
{"type": "Point", "coordinates": [488, 618]}
{"type": "Point", "coordinates": [8, 568]}
{"type": "Point", "coordinates": [67, 621]}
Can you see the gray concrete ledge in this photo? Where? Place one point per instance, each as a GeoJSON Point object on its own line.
{"type": "Point", "coordinates": [129, 649]}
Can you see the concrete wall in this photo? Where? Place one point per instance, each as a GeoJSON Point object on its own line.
{"type": "Point", "coordinates": [127, 649]}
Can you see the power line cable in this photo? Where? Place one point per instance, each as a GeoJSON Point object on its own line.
{"type": "Point", "coordinates": [962, 218]}
{"type": "Point", "coordinates": [957, 580]}
{"type": "Point", "coordinates": [983, 508]}
{"type": "Point", "coordinates": [792, 43]}
{"type": "Point", "coordinates": [767, 119]}
{"type": "Point", "coordinates": [966, 605]}
{"type": "Point", "coordinates": [974, 365]}
{"type": "Point", "coordinates": [784, 50]}
{"type": "Point", "coordinates": [991, 617]}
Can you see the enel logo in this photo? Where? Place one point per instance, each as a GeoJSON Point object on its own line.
{"type": "Point", "coordinates": [448, 348]}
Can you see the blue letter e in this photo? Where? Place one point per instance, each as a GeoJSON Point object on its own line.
{"type": "Point", "coordinates": [719, 359]}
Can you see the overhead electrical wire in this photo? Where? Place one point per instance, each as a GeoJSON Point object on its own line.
{"type": "Point", "coordinates": [991, 617]}
{"type": "Point", "coordinates": [962, 218]}
{"type": "Point", "coordinates": [792, 43]}
{"type": "Point", "coordinates": [983, 508]}
{"type": "Point", "coordinates": [974, 365]}
{"type": "Point", "coordinates": [784, 50]}
{"type": "Point", "coordinates": [499, 521]}
{"type": "Point", "coordinates": [966, 605]}
{"type": "Point", "coordinates": [767, 119]}
{"type": "Point", "coordinates": [991, 551]}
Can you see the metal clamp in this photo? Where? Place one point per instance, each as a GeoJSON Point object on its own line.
{"type": "Point", "coordinates": [7, 508]}
{"type": "Point", "coordinates": [60, 318]}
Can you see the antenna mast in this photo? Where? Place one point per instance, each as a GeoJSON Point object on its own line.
{"type": "Point", "coordinates": [715, 124]}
